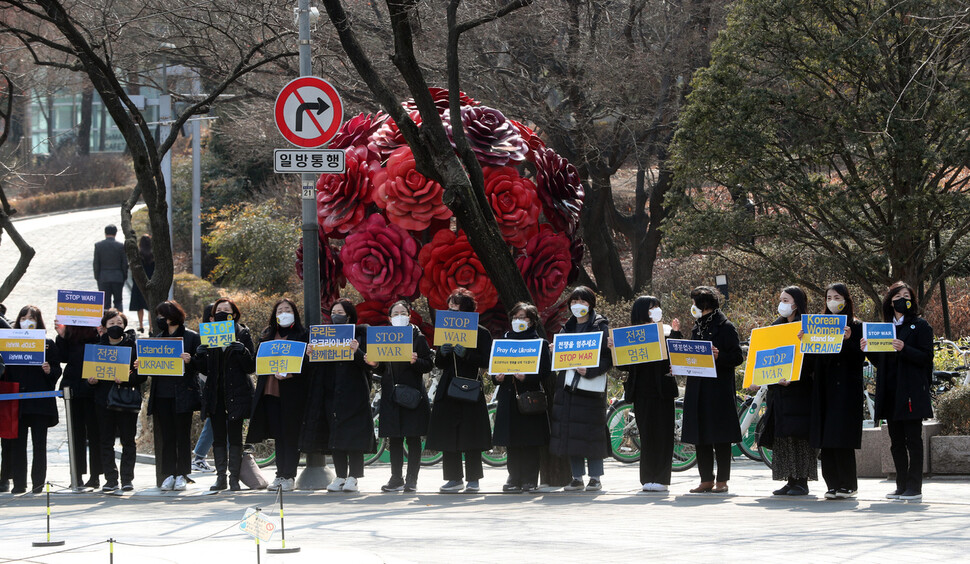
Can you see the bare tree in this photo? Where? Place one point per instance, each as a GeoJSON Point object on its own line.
{"type": "Point", "coordinates": [26, 251]}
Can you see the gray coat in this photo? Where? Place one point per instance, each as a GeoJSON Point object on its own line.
{"type": "Point", "coordinates": [110, 261]}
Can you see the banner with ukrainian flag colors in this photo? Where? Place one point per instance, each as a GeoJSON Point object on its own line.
{"type": "Point", "coordinates": [280, 357]}
{"type": "Point", "coordinates": [161, 356]}
{"type": "Point", "coordinates": [640, 343]}
{"type": "Point", "coordinates": [823, 334]}
{"type": "Point", "coordinates": [331, 343]}
{"type": "Point", "coordinates": [79, 308]}
{"type": "Point", "coordinates": [511, 356]}
{"type": "Point", "coordinates": [774, 354]}
{"type": "Point", "coordinates": [218, 333]}
{"type": "Point", "coordinates": [879, 336]}
{"type": "Point", "coordinates": [390, 344]}
{"type": "Point", "coordinates": [576, 350]}
{"type": "Point", "coordinates": [104, 362]}
{"type": "Point", "coordinates": [456, 328]}
{"type": "Point", "coordinates": [22, 346]}
{"type": "Point", "coordinates": [691, 358]}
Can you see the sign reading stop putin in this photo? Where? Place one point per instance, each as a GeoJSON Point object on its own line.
{"type": "Point", "coordinates": [308, 112]}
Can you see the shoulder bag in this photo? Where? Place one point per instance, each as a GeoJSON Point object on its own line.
{"type": "Point", "coordinates": [124, 398]}
{"type": "Point", "coordinates": [464, 389]}
{"type": "Point", "coordinates": [529, 403]}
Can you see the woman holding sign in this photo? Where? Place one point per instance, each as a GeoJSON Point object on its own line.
{"type": "Point", "coordinates": [902, 388]}
{"type": "Point", "coordinates": [84, 413]}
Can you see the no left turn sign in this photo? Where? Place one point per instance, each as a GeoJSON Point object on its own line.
{"type": "Point", "coordinates": [308, 112]}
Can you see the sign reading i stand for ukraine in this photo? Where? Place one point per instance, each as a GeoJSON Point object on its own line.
{"type": "Point", "coordinates": [280, 357]}
{"type": "Point", "coordinates": [22, 346]}
{"type": "Point", "coordinates": [218, 333]}
{"type": "Point", "coordinates": [511, 356]}
{"type": "Point", "coordinates": [104, 362]}
{"type": "Point", "coordinates": [691, 358]}
{"type": "Point", "coordinates": [456, 328]}
{"type": "Point", "coordinates": [576, 350]}
{"type": "Point", "coordinates": [79, 308]}
{"type": "Point", "coordinates": [160, 356]}
{"type": "Point", "coordinates": [331, 343]}
{"type": "Point", "coordinates": [390, 344]}
{"type": "Point", "coordinates": [879, 336]}
{"type": "Point", "coordinates": [640, 343]}
{"type": "Point", "coordinates": [823, 334]}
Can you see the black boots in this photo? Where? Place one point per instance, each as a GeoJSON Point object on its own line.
{"type": "Point", "coordinates": [235, 463]}
{"type": "Point", "coordinates": [222, 463]}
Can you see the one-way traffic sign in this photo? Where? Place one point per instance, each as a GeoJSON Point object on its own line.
{"type": "Point", "coordinates": [308, 112]}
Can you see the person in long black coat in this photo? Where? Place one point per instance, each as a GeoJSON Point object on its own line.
{"type": "Point", "coordinates": [523, 434]}
{"type": "Point", "coordinates": [652, 390]}
{"type": "Point", "coordinates": [460, 428]}
{"type": "Point", "coordinates": [173, 399]}
{"type": "Point", "coordinates": [70, 343]}
{"type": "Point", "coordinates": [836, 426]}
{"type": "Point", "coordinates": [227, 398]}
{"type": "Point", "coordinates": [398, 423]}
{"type": "Point", "coordinates": [903, 388]}
{"type": "Point", "coordinates": [579, 417]}
{"type": "Point", "coordinates": [36, 415]}
{"type": "Point", "coordinates": [710, 416]}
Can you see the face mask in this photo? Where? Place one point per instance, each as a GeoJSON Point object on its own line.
{"type": "Point", "coordinates": [400, 320]}
{"type": "Point", "coordinates": [519, 325]}
{"type": "Point", "coordinates": [27, 324]}
{"type": "Point", "coordinates": [161, 323]}
{"type": "Point", "coordinates": [902, 305]}
{"type": "Point", "coordinates": [785, 309]}
{"type": "Point", "coordinates": [222, 316]}
{"type": "Point", "coordinates": [339, 318]}
{"type": "Point", "coordinates": [656, 314]}
{"type": "Point", "coordinates": [285, 319]}
{"type": "Point", "coordinates": [835, 306]}
{"type": "Point", "coordinates": [696, 311]}
{"type": "Point", "coordinates": [116, 331]}
{"type": "Point", "coordinates": [579, 310]}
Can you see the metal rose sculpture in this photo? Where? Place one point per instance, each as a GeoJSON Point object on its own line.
{"type": "Point", "coordinates": [398, 237]}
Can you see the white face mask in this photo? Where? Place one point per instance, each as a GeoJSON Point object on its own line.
{"type": "Point", "coordinates": [579, 310]}
{"type": "Point", "coordinates": [656, 314]}
{"type": "Point", "coordinates": [696, 311]}
{"type": "Point", "coordinates": [400, 320]}
{"type": "Point", "coordinates": [785, 309]}
{"type": "Point", "coordinates": [285, 319]}
{"type": "Point", "coordinates": [835, 306]}
{"type": "Point", "coordinates": [27, 324]}
{"type": "Point", "coordinates": [519, 325]}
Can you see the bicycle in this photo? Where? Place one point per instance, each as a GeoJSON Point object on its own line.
{"type": "Point", "coordinates": [624, 435]}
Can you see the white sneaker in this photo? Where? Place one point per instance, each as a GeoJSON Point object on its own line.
{"type": "Point", "coordinates": [287, 484]}
{"type": "Point", "coordinates": [275, 484]}
{"type": "Point", "coordinates": [337, 485]}
{"type": "Point", "coordinates": [168, 484]}
{"type": "Point", "coordinates": [180, 484]}
{"type": "Point", "coordinates": [654, 487]}
{"type": "Point", "coordinates": [350, 485]}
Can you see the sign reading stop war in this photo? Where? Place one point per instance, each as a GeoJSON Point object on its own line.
{"type": "Point", "coordinates": [773, 355]}
{"type": "Point", "coordinates": [22, 346]}
{"type": "Point", "coordinates": [691, 358]}
{"type": "Point", "coordinates": [160, 357]}
{"type": "Point", "coordinates": [456, 328]}
{"type": "Point", "coordinates": [390, 344]}
{"type": "Point", "coordinates": [576, 350]}
{"type": "Point", "coordinates": [79, 308]}
{"type": "Point", "coordinates": [511, 356]}
{"type": "Point", "coordinates": [217, 333]}
{"type": "Point", "coordinates": [879, 336]}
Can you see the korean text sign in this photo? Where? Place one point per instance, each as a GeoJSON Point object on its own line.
{"type": "Point", "coordinates": [691, 358]}
{"type": "Point", "coordinates": [511, 356]}
{"type": "Point", "coordinates": [576, 350]}
{"type": "Point", "coordinates": [280, 357]}
{"type": "Point", "coordinates": [218, 333]}
{"type": "Point", "coordinates": [104, 362]}
{"type": "Point", "coordinates": [640, 343]}
{"type": "Point", "coordinates": [331, 343]}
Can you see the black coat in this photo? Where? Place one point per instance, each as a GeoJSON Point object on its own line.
{"type": "Point", "coordinates": [188, 393]}
{"type": "Point", "coordinates": [135, 380]}
{"type": "Point", "coordinates": [710, 414]}
{"type": "Point", "coordinates": [228, 369]}
{"type": "Point", "coordinates": [511, 427]}
{"type": "Point", "coordinates": [650, 380]}
{"type": "Point", "coordinates": [579, 418]}
{"type": "Point", "coordinates": [33, 379]}
{"type": "Point", "coordinates": [903, 378]}
{"type": "Point", "coordinates": [72, 355]}
{"type": "Point", "coordinates": [789, 408]}
{"type": "Point", "coordinates": [837, 395]}
{"type": "Point", "coordinates": [293, 394]}
{"type": "Point", "coordinates": [397, 421]}
{"type": "Point", "coordinates": [457, 425]}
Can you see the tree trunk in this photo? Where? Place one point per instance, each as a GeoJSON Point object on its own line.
{"type": "Point", "coordinates": [84, 127]}
{"type": "Point", "coordinates": [611, 280]}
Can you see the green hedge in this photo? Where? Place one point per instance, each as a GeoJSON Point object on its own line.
{"type": "Point", "coordinates": [67, 201]}
{"type": "Point", "coordinates": [194, 293]}
{"type": "Point", "coordinates": [953, 411]}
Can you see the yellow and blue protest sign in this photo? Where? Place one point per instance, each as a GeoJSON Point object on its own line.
{"type": "Point", "coordinates": [640, 343]}
{"type": "Point", "coordinates": [774, 354]}
{"type": "Point", "coordinates": [390, 344]}
{"type": "Point", "coordinates": [22, 346]}
{"type": "Point", "coordinates": [160, 356]}
{"type": "Point", "coordinates": [511, 356]}
{"type": "Point", "coordinates": [773, 365]}
{"type": "Point", "coordinates": [691, 358]}
{"type": "Point", "coordinates": [576, 350]}
{"type": "Point", "coordinates": [218, 333]}
{"type": "Point", "coordinates": [104, 362]}
{"type": "Point", "coordinates": [79, 308]}
{"type": "Point", "coordinates": [331, 343]}
{"type": "Point", "coordinates": [280, 357]}
{"type": "Point", "coordinates": [456, 328]}
{"type": "Point", "coordinates": [822, 334]}
{"type": "Point", "coordinates": [879, 336]}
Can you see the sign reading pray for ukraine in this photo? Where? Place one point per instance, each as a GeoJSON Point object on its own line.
{"type": "Point", "coordinates": [576, 350]}
{"type": "Point", "coordinates": [160, 357]}
{"type": "Point", "coordinates": [640, 343]}
{"type": "Point", "coordinates": [822, 334]}
{"type": "Point", "coordinates": [390, 344]}
{"type": "Point", "coordinates": [773, 355]}
{"type": "Point", "coordinates": [22, 346]}
{"type": "Point", "coordinates": [879, 336]}
{"type": "Point", "coordinates": [456, 328]}
{"type": "Point", "coordinates": [280, 357]}
{"type": "Point", "coordinates": [79, 308]}
{"type": "Point", "coordinates": [691, 358]}
{"type": "Point", "coordinates": [511, 356]}
{"type": "Point", "coordinates": [218, 333]}
{"type": "Point", "coordinates": [104, 362]}
{"type": "Point", "coordinates": [331, 343]}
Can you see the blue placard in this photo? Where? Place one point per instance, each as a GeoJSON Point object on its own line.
{"type": "Point", "coordinates": [576, 350]}
{"type": "Point", "coordinates": [331, 343]}
{"type": "Point", "coordinates": [456, 328]}
{"type": "Point", "coordinates": [691, 358]}
{"type": "Point", "coordinates": [280, 357]}
{"type": "Point", "coordinates": [390, 344]}
{"type": "Point", "coordinates": [22, 346]}
{"type": "Point", "coordinates": [510, 356]}
{"type": "Point", "coordinates": [218, 333]}
{"type": "Point", "coordinates": [161, 356]}
{"type": "Point", "coordinates": [79, 308]}
{"type": "Point", "coordinates": [879, 336]}
{"type": "Point", "coordinates": [822, 334]}
{"type": "Point", "coordinates": [104, 362]}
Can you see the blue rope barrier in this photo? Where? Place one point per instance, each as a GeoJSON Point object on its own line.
{"type": "Point", "coordinates": [32, 395]}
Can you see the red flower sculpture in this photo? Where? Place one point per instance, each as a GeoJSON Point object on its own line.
{"type": "Point", "coordinates": [531, 139]}
{"type": "Point", "coordinates": [380, 260]}
{"type": "Point", "coordinates": [440, 97]}
{"type": "Point", "coordinates": [545, 264]}
{"type": "Point", "coordinates": [388, 137]}
{"type": "Point", "coordinates": [560, 190]}
{"type": "Point", "coordinates": [332, 278]}
{"type": "Point", "coordinates": [356, 130]}
{"type": "Point", "coordinates": [374, 313]}
{"type": "Point", "coordinates": [409, 199]}
{"type": "Point", "coordinates": [342, 198]}
{"type": "Point", "coordinates": [449, 262]}
{"type": "Point", "coordinates": [514, 202]}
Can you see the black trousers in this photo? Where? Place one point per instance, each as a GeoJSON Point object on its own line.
{"type": "Point", "coordinates": [396, 447]}
{"type": "Point", "coordinates": [906, 446]}
{"type": "Point", "coordinates": [451, 465]}
{"type": "Point", "coordinates": [225, 430]}
{"type": "Point", "coordinates": [175, 430]}
{"type": "Point", "coordinates": [17, 451]}
{"type": "Point", "coordinates": [655, 420]}
{"type": "Point", "coordinates": [706, 455]}
{"type": "Point", "coordinates": [87, 437]}
{"type": "Point", "coordinates": [838, 468]}
{"type": "Point", "coordinates": [523, 465]}
{"type": "Point", "coordinates": [342, 459]}
{"type": "Point", "coordinates": [118, 424]}
{"type": "Point", "coordinates": [112, 290]}
{"type": "Point", "coordinates": [287, 446]}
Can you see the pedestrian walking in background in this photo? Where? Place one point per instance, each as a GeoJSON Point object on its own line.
{"type": "Point", "coordinates": [110, 268]}
{"type": "Point", "coordinates": [136, 302]}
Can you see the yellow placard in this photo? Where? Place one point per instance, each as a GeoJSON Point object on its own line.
{"type": "Point", "coordinates": [770, 359]}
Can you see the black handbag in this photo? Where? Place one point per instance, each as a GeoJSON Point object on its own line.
{"type": "Point", "coordinates": [464, 389]}
{"type": "Point", "coordinates": [530, 403]}
{"type": "Point", "coordinates": [124, 398]}
{"type": "Point", "coordinates": [406, 396]}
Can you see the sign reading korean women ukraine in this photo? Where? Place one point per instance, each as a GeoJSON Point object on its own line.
{"type": "Point", "coordinates": [823, 334]}
{"type": "Point", "coordinates": [331, 343]}
{"type": "Point", "coordinates": [22, 346]}
{"type": "Point", "coordinates": [280, 357]}
{"type": "Point", "coordinates": [79, 308]}
{"type": "Point", "coordinates": [160, 357]}
{"type": "Point", "coordinates": [510, 356]}
{"type": "Point", "coordinates": [576, 350]}
{"type": "Point", "coordinates": [640, 343]}
{"type": "Point", "coordinates": [456, 328]}
{"type": "Point", "coordinates": [774, 354]}
{"type": "Point", "coordinates": [390, 344]}
{"type": "Point", "coordinates": [218, 333]}
{"type": "Point", "coordinates": [691, 358]}
{"type": "Point", "coordinates": [879, 336]}
{"type": "Point", "coordinates": [104, 362]}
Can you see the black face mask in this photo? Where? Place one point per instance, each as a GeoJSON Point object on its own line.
{"type": "Point", "coordinates": [339, 318]}
{"type": "Point", "coordinates": [162, 324]}
{"type": "Point", "coordinates": [222, 316]}
{"type": "Point", "coordinates": [902, 305]}
{"type": "Point", "coordinates": [115, 331]}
